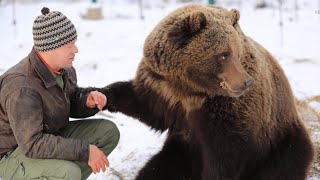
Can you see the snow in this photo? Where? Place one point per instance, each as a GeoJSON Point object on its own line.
{"type": "Point", "coordinates": [110, 50]}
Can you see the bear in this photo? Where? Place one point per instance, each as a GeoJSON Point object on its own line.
{"type": "Point", "coordinates": [223, 99]}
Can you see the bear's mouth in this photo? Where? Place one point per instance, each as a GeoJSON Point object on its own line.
{"type": "Point", "coordinates": [233, 92]}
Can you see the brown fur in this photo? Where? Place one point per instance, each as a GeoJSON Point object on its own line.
{"type": "Point", "coordinates": [225, 100]}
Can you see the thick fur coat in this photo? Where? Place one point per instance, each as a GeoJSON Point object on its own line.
{"type": "Point", "coordinates": [225, 101]}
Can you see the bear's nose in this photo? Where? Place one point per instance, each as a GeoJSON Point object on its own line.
{"type": "Point", "coordinates": [249, 82]}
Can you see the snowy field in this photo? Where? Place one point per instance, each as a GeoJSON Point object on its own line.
{"type": "Point", "coordinates": [110, 50]}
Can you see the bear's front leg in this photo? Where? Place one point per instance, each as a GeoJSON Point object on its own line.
{"type": "Point", "coordinates": [225, 154]}
{"type": "Point", "coordinates": [223, 165]}
{"type": "Point", "coordinates": [140, 103]}
{"type": "Point", "coordinates": [288, 160]}
{"type": "Point", "coordinates": [173, 162]}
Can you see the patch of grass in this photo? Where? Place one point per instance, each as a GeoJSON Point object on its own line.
{"type": "Point", "coordinates": [312, 119]}
{"type": "Point", "coordinates": [307, 112]}
{"type": "Point", "coordinates": [116, 173]}
{"type": "Point", "coordinates": [315, 167]}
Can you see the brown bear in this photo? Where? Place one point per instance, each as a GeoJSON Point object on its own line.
{"type": "Point", "coordinates": [225, 101]}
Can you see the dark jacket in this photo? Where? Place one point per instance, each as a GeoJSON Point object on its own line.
{"type": "Point", "coordinates": [34, 109]}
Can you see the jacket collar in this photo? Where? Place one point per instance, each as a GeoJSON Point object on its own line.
{"type": "Point", "coordinates": [42, 70]}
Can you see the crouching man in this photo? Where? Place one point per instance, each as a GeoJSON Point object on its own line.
{"type": "Point", "coordinates": [37, 97]}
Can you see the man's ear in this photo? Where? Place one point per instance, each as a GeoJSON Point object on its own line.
{"type": "Point", "coordinates": [235, 16]}
{"type": "Point", "coordinates": [187, 27]}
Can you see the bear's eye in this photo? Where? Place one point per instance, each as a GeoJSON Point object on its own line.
{"type": "Point", "coordinates": [224, 56]}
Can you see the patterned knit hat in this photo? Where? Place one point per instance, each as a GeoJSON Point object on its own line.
{"type": "Point", "coordinates": [52, 30]}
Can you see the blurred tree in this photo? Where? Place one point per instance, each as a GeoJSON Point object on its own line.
{"type": "Point", "coordinates": [14, 21]}
{"type": "Point", "coordinates": [229, 3]}
{"type": "Point", "coordinates": [261, 4]}
{"type": "Point", "coordinates": [296, 10]}
{"type": "Point", "coordinates": [211, 2]}
{"type": "Point", "coordinates": [281, 21]}
{"type": "Point", "coordinates": [141, 9]}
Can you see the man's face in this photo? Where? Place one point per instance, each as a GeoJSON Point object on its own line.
{"type": "Point", "coordinates": [64, 55]}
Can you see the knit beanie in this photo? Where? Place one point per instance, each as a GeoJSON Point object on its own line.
{"type": "Point", "coordinates": [52, 30]}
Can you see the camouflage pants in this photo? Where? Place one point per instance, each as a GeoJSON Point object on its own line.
{"type": "Point", "coordinates": [102, 133]}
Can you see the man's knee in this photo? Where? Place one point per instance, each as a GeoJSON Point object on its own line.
{"type": "Point", "coordinates": [112, 132]}
{"type": "Point", "coordinates": [70, 170]}
{"type": "Point", "coordinates": [109, 135]}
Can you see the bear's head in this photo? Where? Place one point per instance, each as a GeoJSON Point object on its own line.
{"type": "Point", "coordinates": [199, 49]}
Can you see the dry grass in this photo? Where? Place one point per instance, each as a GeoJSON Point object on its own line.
{"type": "Point", "coordinates": [306, 112]}
{"type": "Point", "coordinates": [311, 117]}
{"type": "Point", "coordinates": [116, 173]}
{"type": "Point", "coordinates": [314, 130]}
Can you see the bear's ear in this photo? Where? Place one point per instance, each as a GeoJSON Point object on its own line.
{"type": "Point", "coordinates": [187, 27]}
{"type": "Point", "coordinates": [235, 16]}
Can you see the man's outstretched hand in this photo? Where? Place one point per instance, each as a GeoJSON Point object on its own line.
{"type": "Point", "coordinates": [97, 159]}
{"type": "Point", "coordinates": [96, 99]}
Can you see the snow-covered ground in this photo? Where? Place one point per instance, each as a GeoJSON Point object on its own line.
{"type": "Point", "coordinates": [110, 50]}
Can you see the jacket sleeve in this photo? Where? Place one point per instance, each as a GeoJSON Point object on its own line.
{"type": "Point", "coordinates": [25, 114]}
{"type": "Point", "coordinates": [78, 100]}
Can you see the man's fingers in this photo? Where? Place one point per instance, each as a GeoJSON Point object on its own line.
{"type": "Point", "coordinates": [106, 161]}
{"type": "Point", "coordinates": [97, 99]}
{"type": "Point", "coordinates": [92, 100]}
{"type": "Point", "coordinates": [94, 168]}
{"type": "Point", "coordinates": [104, 100]}
{"type": "Point", "coordinates": [103, 166]}
{"type": "Point", "coordinates": [98, 167]}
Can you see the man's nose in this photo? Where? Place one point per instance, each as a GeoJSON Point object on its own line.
{"type": "Point", "coordinates": [75, 50]}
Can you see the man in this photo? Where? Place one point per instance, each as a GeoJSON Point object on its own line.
{"type": "Point", "coordinates": [37, 97]}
